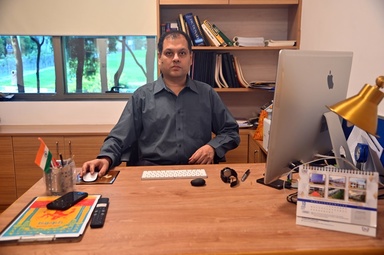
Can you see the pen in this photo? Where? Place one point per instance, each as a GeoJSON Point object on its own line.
{"type": "Point", "coordinates": [245, 175]}
{"type": "Point", "coordinates": [61, 159]}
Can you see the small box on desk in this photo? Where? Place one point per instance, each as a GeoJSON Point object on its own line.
{"type": "Point", "coordinates": [266, 128]}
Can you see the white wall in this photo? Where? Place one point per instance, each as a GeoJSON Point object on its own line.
{"type": "Point", "coordinates": [60, 113]}
{"type": "Point", "coordinates": [353, 25]}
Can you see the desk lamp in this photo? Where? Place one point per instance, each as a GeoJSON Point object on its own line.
{"type": "Point", "coordinates": [361, 109]}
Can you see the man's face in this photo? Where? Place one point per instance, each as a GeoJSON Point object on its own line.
{"type": "Point", "coordinates": [175, 60]}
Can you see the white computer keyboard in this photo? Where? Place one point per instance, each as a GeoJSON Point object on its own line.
{"type": "Point", "coordinates": [173, 174]}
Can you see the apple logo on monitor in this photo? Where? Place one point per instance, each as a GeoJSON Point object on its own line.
{"type": "Point", "coordinates": [330, 80]}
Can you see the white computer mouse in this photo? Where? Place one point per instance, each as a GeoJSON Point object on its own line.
{"type": "Point", "coordinates": [88, 177]}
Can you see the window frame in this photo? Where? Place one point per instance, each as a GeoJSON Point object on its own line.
{"type": "Point", "coordinates": [60, 94]}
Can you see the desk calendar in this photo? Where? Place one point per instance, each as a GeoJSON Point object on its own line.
{"type": "Point", "coordinates": [338, 199]}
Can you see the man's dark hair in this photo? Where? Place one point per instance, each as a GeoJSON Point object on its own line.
{"type": "Point", "coordinates": [173, 34]}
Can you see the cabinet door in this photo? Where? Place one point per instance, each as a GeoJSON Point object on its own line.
{"type": "Point", "coordinates": [7, 173]}
{"type": "Point", "coordinates": [255, 152]}
{"type": "Point", "coordinates": [83, 148]}
{"type": "Point", "coordinates": [240, 154]}
{"type": "Point", "coordinates": [25, 149]}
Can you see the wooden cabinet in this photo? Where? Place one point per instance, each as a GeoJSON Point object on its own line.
{"type": "Point", "coordinates": [7, 173]}
{"type": "Point", "coordinates": [240, 154]}
{"type": "Point", "coordinates": [271, 19]}
{"type": "Point", "coordinates": [256, 153]}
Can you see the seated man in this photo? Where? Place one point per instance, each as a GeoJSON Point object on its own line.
{"type": "Point", "coordinates": [170, 121]}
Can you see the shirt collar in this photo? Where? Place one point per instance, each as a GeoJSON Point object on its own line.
{"type": "Point", "coordinates": [160, 85]}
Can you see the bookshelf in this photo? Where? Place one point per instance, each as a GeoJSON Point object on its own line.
{"type": "Point", "coordinates": [271, 19]}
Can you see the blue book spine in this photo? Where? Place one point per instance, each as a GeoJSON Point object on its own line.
{"type": "Point", "coordinates": [197, 38]}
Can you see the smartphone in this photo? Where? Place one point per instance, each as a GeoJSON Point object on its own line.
{"type": "Point", "coordinates": [67, 200]}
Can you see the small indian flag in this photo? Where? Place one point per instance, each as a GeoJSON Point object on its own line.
{"type": "Point", "coordinates": [43, 157]}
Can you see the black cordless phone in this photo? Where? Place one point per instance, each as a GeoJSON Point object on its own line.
{"type": "Point", "coordinates": [67, 200]}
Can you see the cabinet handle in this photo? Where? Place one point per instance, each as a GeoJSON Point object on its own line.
{"type": "Point", "coordinates": [70, 149]}
{"type": "Point", "coordinates": [57, 149]}
{"type": "Point", "coordinates": [255, 156]}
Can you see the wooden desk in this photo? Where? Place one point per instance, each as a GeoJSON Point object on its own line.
{"type": "Point", "coordinates": [172, 217]}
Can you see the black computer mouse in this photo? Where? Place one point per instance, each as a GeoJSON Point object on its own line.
{"type": "Point", "coordinates": [198, 182]}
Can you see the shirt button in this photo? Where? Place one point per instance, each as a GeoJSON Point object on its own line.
{"type": "Point", "coordinates": [178, 129]}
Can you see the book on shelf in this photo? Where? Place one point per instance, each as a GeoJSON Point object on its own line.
{"type": "Point", "coordinates": [221, 33]}
{"type": "Point", "coordinates": [262, 84]}
{"type": "Point", "coordinates": [249, 41]}
{"type": "Point", "coordinates": [36, 223]}
{"type": "Point", "coordinates": [216, 34]}
{"type": "Point", "coordinates": [280, 43]}
{"type": "Point", "coordinates": [226, 75]}
{"type": "Point", "coordinates": [162, 28]}
{"type": "Point", "coordinates": [182, 23]}
{"type": "Point", "coordinates": [228, 70]}
{"type": "Point", "coordinates": [196, 36]}
{"type": "Point", "coordinates": [203, 67]}
{"type": "Point", "coordinates": [234, 73]}
{"type": "Point", "coordinates": [212, 41]}
{"type": "Point", "coordinates": [210, 37]}
{"type": "Point", "coordinates": [240, 76]}
{"type": "Point", "coordinates": [198, 22]}
{"type": "Point", "coordinates": [221, 78]}
{"type": "Point", "coordinates": [183, 26]}
{"type": "Point", "coordinates": [338, 199]}
{"type": "Point", "coordinates": [171, 26]}
{"type": "Point", "coordinates": [218, 81]}
{"type": "Point", "coordinates": [267, 86]}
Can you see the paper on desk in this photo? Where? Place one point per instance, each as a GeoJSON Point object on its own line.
{"type": "Point", "coordinates": [360, 136]}
{"type": "Point", "coordinates": [244, 124]}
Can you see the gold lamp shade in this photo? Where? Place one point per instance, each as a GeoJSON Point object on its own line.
{"type": "Point", "coordinates": [361, 110]}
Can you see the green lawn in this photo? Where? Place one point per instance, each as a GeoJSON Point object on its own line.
{"type": "Point", "coordinates": [132, 75]}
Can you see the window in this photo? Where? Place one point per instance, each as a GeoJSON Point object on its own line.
{"type": "Point", "coordinates": [75, 67]}
{"type": "Point", "coordinates": [26, 64]}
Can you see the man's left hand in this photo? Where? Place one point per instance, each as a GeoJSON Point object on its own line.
{"type": "Point", "coordinates": [204, 155]}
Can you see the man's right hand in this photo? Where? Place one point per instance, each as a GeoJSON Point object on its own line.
{"type": "Point", "coordinates": [96, 165]}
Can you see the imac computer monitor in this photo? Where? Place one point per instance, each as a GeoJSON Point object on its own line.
{"type": "Point", "coordinates": [306, 82]}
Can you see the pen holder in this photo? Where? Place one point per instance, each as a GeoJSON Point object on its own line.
{"type": "Point", "coordinates": [59, 181]}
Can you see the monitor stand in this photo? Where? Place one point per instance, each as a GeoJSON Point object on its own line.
{"type": "Point", "coordinates": [339, 143]}
{"type": "Point", "coordinates": [278, 184]}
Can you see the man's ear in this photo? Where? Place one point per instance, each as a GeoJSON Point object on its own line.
{"type": "Point", "coordinates": [158, 58]}
{"type": "Point", "coordinates": [191, 58]}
